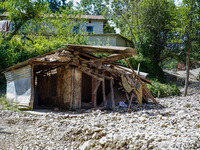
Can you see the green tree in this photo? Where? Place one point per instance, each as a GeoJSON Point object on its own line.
{"type": "Point", "coordinates": [55, 5]}
{"type": "Point", "coordinates": [147, 24]}
{"type": "Point", "coordinates": [20, 12]}
{"type": "Point", "coordinates": [93, 7]}
{"type": "Point", "coordinates": [41, 31]}
{"type": "Point", "coordinates": [187, 27]}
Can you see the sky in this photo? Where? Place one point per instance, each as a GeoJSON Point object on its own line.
{"type": "Point", "coordinates": [177, 2]}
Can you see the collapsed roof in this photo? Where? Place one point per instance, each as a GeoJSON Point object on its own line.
{"type": "Point", "coordinates": [100, 69]}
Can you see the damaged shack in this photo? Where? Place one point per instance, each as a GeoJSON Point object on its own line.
{"type": "Point", "coordinates": [72, 78]}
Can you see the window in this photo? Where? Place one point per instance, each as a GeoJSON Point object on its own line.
{"type": "Point", "coordinates": [89, 29]}
{"type": "Point", "coordinates": [75, 29]}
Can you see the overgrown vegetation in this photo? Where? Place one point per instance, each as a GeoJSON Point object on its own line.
{"type": "Point", "coordinates": [158, 89]}
{"type": "Point", "coordinates": [161, 32]}
{"type": "Point", "coordinates": [198, 76]}
{"type": "Point", "coordinates": [7, 105]}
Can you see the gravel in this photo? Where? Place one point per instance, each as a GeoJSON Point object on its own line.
{"type": "Point", "coordinates": [176, 126]}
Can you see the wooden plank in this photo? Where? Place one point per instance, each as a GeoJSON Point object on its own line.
{"type": "Point", "coordinates": [102, 49]}
{"type": "Point", "coordinates": [143, 85]}
{"type": "Point", "coordinates": [77, 85]}
{"type": "Point", "coordinates": [113, 57]}
{"type": "Point", "coordinates": [112, 95]}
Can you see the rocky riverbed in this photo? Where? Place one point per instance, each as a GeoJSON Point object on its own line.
{"type": "Point", "coordinates": [177, 126]}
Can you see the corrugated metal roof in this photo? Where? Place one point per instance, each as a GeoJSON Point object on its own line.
{"type": "Point", "coordinates": [16, 74]}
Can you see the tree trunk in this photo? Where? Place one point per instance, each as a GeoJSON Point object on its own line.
{"type": "Point", "coordinates": [187, 67]}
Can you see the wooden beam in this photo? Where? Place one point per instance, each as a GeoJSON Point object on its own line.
{"type": "Point", "coordinates": [102, 49]}
{"type": "Point", "coordinates": [113, 57]}
{"type": "Point", "coordinates": [112, 95]}
{"type": "Point", "coordinates": [94, 94]}
{"type": "Point", "coordinates": [130, 101]}
{"type": "Point", "coordinates": [143, 79]}
{"type": "Point", "coordinates": [143, 85]}
{"type": "Point", "coordinates": [104, 93]}
{"type": "Point", "coordinates": [72, 88]}
{"type": "Point", "coordinates": [92, 75]}
{"type": "Point", "coordinates": [97, 86]}
{"type": "Point", "coordinates": [77, 85]}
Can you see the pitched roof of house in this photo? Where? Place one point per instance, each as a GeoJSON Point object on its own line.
{"type": "Point", "coordinates": [4, 15]}
{"type": "Point", "coordinates": [93, 17]}
{"type": "Point", "coordinates": [90, 17]}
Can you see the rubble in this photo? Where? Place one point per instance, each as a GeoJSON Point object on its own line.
{"type": "Point", "coordinates": [72, 76]}
{"type": "Point", "coordinates": [148, 127]}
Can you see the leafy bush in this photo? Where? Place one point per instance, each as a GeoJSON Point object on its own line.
{"type": "Point", "coordinates": [198, 76]}
{"type": "Point", "coordinates": [169, 64]}
{"type": "Point", "coordinates": [158, 89]}
{"type": "Point", "coordinates": [146, 65]}
{"type": "Point", "coordinates": [7, 104]}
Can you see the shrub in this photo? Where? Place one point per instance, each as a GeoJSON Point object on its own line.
{"type": "Point", "coordinates": [7, 104]}
{"type": "Point", "coordinates": [146, 65]}
{"type": "Point", "coordinates": [198, 76]}
{"type": "Point", "coordinates": [158, 89]}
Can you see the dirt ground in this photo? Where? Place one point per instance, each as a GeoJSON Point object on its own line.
{"type": "Point", "coordinates": [176, 126]}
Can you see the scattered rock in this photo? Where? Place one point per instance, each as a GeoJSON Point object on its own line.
{"type": "Point", "coordinates": [148, 127]}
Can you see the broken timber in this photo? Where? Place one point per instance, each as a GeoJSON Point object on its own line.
{"type": "Point", "coordinates": [58, 77]}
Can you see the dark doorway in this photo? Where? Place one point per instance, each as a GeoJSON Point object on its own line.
{"type": "Point", "coordinates": [86, 88]}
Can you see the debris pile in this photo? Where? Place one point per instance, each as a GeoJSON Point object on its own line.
{"type": "Point", "coordinates": [127, 80]}
{"type": "Point", "coordinates": [65, 72]}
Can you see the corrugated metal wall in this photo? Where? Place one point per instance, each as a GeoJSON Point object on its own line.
{"type": "Point", "coordinates": [19, 85]}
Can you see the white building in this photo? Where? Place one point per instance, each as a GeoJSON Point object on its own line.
{"type": "Point", "coordinates": [93, 27]}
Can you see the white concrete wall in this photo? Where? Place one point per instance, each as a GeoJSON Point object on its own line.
{"type": "Point", "coordinates": [102, 40]}
{"type": "Point", "coordinates": [109, 40]}
{"type": "Point", "coordinates": [97, 26]}
{"type": "Point", "coordinates": [121, 42]}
